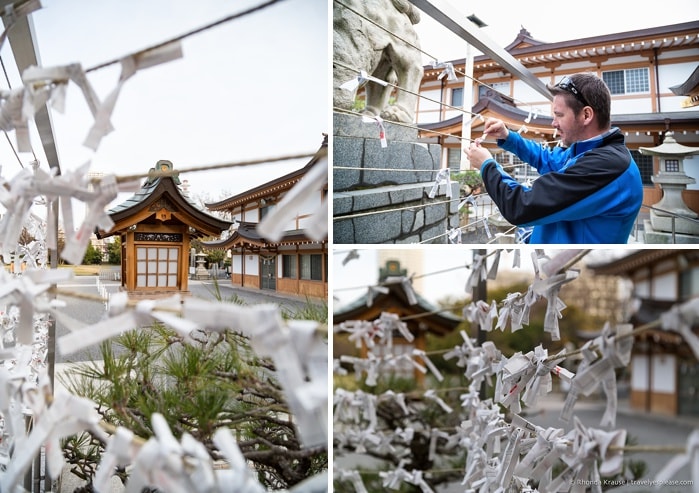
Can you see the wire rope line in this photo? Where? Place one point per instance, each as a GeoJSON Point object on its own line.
{"type": "Point", "coordinates": [209, 167]}
{"type": "Point", "coordinates": [396, 86]}
{"type": "Point", "coordinates": [422, 96]}
{"type": "Point", "coordinates": [391, 33]}
{"type": "Point", "coordinates": [474, 223]}
{"type": "Point", "coordinates": [398, 209]}
{"type": "Point", "coordinates": [390, 169]}
{"type": "Point", "coordinates": [193, 32]}
{"type": "Point", "coordinates": [416, 276]}
{"type": "Point", "coordinates": [403, 124]}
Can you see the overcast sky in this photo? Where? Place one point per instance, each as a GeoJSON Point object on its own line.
{"type": "Point", "coordinates": [252, 88]}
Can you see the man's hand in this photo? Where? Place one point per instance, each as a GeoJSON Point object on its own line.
{"type": "Point", "coordinates": [477, 155]}
{"type": "Point", "coordinates": [496, 128]}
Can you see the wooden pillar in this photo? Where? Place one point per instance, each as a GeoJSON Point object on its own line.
{"type": "Point", "coordinates": [130, 261]}
{"type": "Point", "coordinates": [183, 281]}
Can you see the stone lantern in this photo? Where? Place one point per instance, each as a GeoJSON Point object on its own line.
{"type": "Point", "coordinates": [201, 272]}
{"type": "Point", "coordinates": [672, 181]}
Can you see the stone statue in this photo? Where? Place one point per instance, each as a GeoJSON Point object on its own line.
{"type": "Point", "coordinates": [361, 45]}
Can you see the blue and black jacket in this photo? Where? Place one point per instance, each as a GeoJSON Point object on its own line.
{"type": "Point", "coordinates": [590, 192]}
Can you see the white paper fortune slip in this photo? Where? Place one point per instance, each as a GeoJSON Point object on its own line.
{"type": "Point", "coordinates": [443, 177]}
{"type": "Point", "coordinates": [274, 224]}
{"type": "Point", "coordinates": [129, 66]}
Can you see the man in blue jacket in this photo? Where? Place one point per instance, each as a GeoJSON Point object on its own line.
{"type": "Point", "coordinates": [589, 191]}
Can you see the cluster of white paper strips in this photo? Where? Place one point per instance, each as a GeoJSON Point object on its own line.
{"type": "Point", "coordinates": [502, 454]}
{"type": "Point", "coordinates": [297, 348]}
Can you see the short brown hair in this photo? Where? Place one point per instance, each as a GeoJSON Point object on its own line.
{"type": "Point", "coordinates": [594, 91]}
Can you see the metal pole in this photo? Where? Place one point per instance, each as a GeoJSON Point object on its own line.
{"type": "Point", "coordinates": [51, 353]}
{"type": "Point", "coordinates": [480, 292]}
{"type": "Point", "coordinates": [452, 19]}
{"type": "Point", "coordinates": [28, 478]}
{"type": "Point", "coordinates": [673, 230]}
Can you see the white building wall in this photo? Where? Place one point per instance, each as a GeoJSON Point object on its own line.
{"type": "Point", "coordinates": [671, 75]}
{"type": "Point", "coordinates": [639, 372]}
{"type": "Point", "coordinates": [236, 264]}
{"type": "Point", "coordinates": [642, 289]}
{"type": "Point", "coordinates": [429, 111]}
{"type": "Point", "coordinates": [640, 104]}
{"type": "Point", "coordinates": [525, 93]}
{"type": "Point", "coordinates": [664, 375]}
{"type": "Point", "coordinates": [691, 168]}
{"type": "Point", "coordinates": [672, 103]}
{"type": "Point", "coordinates": [252, 264]}
{"type": "Point", "coordinates": [306, 211]}
{"type": "Point", "coordinates": [616, 62]}
{"type": "Point", "coordinates": [249, 215]}
{"type": "Point", "coordinates": [665, 287]}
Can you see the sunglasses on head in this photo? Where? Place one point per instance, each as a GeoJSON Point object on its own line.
{"type": "Point", "coordinates": [567, 85]}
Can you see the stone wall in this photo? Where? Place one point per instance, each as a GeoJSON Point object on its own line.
{"type": "Point", "coordinates": [391, 204]}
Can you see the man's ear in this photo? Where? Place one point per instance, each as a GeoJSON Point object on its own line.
{"type": "Point", "coordinates": [588, 115]}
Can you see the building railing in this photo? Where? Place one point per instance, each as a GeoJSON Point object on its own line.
{"type": "Point", "coordinates": [674, 217]}
{"type": "Point", "coordinates": [483, 208]}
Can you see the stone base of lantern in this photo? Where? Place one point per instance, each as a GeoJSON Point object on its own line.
{"type": "Point", "coordinates": [664, 222]}
{"type": "Point", "coordinates": [651, 235]}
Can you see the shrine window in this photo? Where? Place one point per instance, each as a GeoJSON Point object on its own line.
{"type": "Point", "coordinates": [289, 266]}
{"type": "Point", "coordinates": [156, 267]}
{"type": "Point", "coordinates": [312, 267]}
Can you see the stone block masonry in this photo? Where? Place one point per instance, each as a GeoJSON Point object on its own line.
{"type": "Point", "coordinates": [380, 194]}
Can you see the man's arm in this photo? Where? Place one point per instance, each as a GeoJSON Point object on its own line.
{"type": "Point", "coordinates": [579, 192]}
{"type": "Point", "coordinates": [543, 158]}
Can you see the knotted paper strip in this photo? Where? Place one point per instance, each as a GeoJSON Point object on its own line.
{"type": "Point", "coordinates": [129, 66]}
{"type": "Point", "coordinates": [448, 71]}
{"type": "Point", "coordinates": [274, 224]}
{"type": "Point", "coordinates": [353, 84]}
{"type": "Point", "coordinates": [691, 457]}
{"type": "Point", "coordinates": [443, 177]}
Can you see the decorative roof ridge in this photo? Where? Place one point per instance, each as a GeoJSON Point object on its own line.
{"type": "Point", "coordinates": [169, 186]}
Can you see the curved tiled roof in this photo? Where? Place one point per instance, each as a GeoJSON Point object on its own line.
{"type": "Point", "coordinates": [164, 188]}
{"type": "Point", "coordinates": [510, 112]}
{"type": "Point", "coordinates": [688, 86]}
{"type": "Point", "coordinates": [246, 235]}
{"type": "Point", "coordinates": [531, 52]}
{"type": "Point", "coordinates": [439, 322]}
{"type": "Point", "coordinates": [638, 259]}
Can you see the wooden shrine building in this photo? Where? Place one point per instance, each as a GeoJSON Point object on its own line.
{"type": "Point", "coordinates": [664, 370]}
{"type": "Point", "coordinates": [394, 294]}
{"type": "Point", "coordinates": [295, 264]}
{"type": "Point", "coordinates": [156, 226]}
